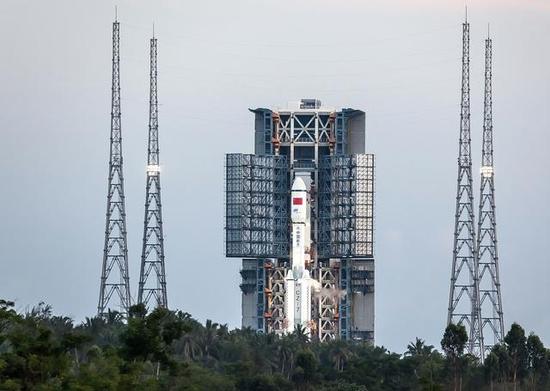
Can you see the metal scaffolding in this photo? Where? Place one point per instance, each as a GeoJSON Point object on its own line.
{"type": "Point", "coordinates": [275, 297]}
{"type": "Point", "coordinates": [492, 322]}
{"type": "Point", "coordinates": [115, 280]}
{"type": "Point", "coordinates": [152, 277]}
{"type": "Point", "coordinates": [256, 206]}
{"type": "Point", "coordinates": [328, 303]}
{"type": "Point", "coordinates": [345, 304]}
{"type": "Point", "coordinates": [346, 206]}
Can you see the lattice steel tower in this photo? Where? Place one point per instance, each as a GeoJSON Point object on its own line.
{"type": "Point", "coordinates": [464, 302]}
{"type": "Point", "coordinates": [492, 322]}
{"type": "Point", "coordinates": [152, 277]}
{"type": "Point", "coordinates": [114, 273]}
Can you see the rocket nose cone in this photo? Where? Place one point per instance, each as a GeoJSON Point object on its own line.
{"type": "Point", "coordinates": [299, 185]}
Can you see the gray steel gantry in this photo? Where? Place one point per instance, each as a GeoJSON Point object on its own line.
{"type": "Point", "coordinates": [115, 280]}
{"type": "Point", "coordinates": [152, 277]}
{"type": "Point", "coordinates": [325, 147]}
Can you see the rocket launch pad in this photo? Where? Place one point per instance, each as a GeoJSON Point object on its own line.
{"type": "Point", "coordinates": [300, 215]}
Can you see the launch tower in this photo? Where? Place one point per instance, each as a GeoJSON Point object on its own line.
{"type": "Point", "coordinates": [324, 149]}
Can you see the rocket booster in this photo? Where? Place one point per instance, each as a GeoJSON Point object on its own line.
{"type": "Point", "coordinates": [298, 283]}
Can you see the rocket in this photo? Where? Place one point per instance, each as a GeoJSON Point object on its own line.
{"type": "Point", "coordinates": [299, 285]}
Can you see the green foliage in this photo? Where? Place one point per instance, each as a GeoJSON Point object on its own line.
{"type": "Point", "coordinates": [516, 346]}
{"type": "Point", "coordinates": [454, 340]}
{"type": "Point", "coordinates": [538, 362]}
{"type": "Point", "coordinates": [453, 344]}
{"type": "Point", "coordinates": [305, 368]}
{"type": "Point", "coordinates": [169, 350]}
{"type": "Point", "coordinates": [193, 377]}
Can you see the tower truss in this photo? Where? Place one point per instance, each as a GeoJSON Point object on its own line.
{"type": "Point", "coordinates": [115, 282]}
{"type": "Point", "coordinates": [492, 322]}
{"type": "Point", "coordinates": [464, 301]}
{"type": "Point", "coordinates": [152, 277]}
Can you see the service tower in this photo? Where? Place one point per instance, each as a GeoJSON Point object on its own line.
{"type": "Point", "coordinates": [309, 176]}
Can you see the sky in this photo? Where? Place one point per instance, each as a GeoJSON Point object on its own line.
{"type": "Point", "coordinates": [398, 60]}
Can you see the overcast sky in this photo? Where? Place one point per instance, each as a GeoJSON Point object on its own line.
{"type": "Point", "coordinates": [397, 60]}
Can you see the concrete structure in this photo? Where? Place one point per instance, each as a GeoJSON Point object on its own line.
{"type": "Point", "coordinates": [325, 148]}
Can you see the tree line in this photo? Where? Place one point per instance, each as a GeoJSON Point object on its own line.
{"type": "Point", "coordinates": [169, 350]}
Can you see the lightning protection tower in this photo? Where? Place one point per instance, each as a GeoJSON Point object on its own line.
{"type": "Point", "coordinates": [152, 277]}
{"type": "Point", "coordinates": [115, 284]}
{"type": "Point", "coordinates": [492, 322]}
{"type": "Point", "coordinates": [464, 302]}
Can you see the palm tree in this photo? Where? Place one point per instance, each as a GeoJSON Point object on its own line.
{"type": "Point", "coordinates": [286, 349]}
{"type": "Point", "coordinates": [340, 353]}
{"type": "Point", "coordinates": [300, 333]}
{"type": "Point", "coordinates": [419, 348]}
{"type": "Point", "coordinates": [42, 311]}
{"type": "Point", "coordinates": [262, 352]}
{"type": "Point", "coordinates": [59, 324]}
{"type": "Point", "coordinates": [103, 331]}
{"type": "Point", "coordinates": [188, 346]}
{"type": "Point", "coordinates": [93, 325]}
{"type": "Point", "coordinates": [209, 336]}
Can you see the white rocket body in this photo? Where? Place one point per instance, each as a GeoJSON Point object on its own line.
{"type": "Point", "coordinates": [298, 283]}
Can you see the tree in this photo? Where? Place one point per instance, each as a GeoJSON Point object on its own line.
{"type": "Point", "coordinates": [305, 368]}
{"type": "Point", "coordinates": [537, 360]}
{"type": "Point", "coordinates": [426, 363]}
{"type": "Point", "coordinates": [208, 338]}
{"type": "Point", "coordinates": [502, 362]}
{"type": "Point", "coordinates": [137, 342]}
{"type": "Point", "coordinates": [33, 355]}
{"type": "Point", "coordinates": [286, 348]}
{"type": "Point", "coordinates": [188, 346]}
{"type": "Point", "coordinates": [170, 350]}
{"type": "Point", "coordinates": [453, 344]}
{"type": "Point", "coordinates": [149, 337]}
{"type": "Point", "coordinates": [419, 348]}
{"type": "Point", "coordinates": [340, 352]}
{"type": "Point", "coordinates": [429, 372]}
{"type": "Point", "coordinates": [491, 368]}
{"type": "Point", "coordinates": [263, 382]}
{"type": "Point", "coordinates": [300, 334]}
{"type": "Point", "coordinates": [7, 314]}
{"type": "Point", "coordinates": [516, 345]}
